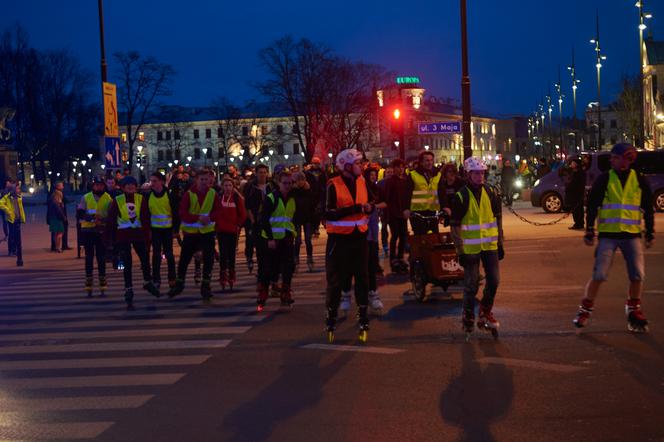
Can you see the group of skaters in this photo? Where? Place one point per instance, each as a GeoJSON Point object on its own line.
{"type": "Point", "coordinates": [352, 202]}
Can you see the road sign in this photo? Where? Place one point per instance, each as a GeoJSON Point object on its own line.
{"type": "Point", "coordinates": [113, 155]}
{"type": "Point", "coordinates": [440, 127]}
{"type": "Point", "coordinates": [110, 110]}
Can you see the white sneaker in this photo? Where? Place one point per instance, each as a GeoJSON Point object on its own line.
{"type": "Point", "coordinates": [345, 301]}
{"type": "Point", "coordinates": [374, 300]}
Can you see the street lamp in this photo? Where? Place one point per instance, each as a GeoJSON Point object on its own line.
{"type": "Point", "coordinates": [176, 162]}
{"type": "Point", "coordinates": [83, 162]}
{"type": "Point", "coordinates": [642, 26]}
{"type": "Point", "coordinates": [90, 156]}
{"type": "Point", "coordinates": [189, 158]}
{"type": "Point", "coordinates": [558, 87]}
{"type": "Point", "coordinates": [598, 65]}
{"type": "Point", "coordinates": [271, 152]}
{"type": "Point", "coordinates": [205, 151]}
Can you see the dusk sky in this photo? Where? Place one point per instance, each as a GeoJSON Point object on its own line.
{"type": "Point", "coordinates": [515, 46]}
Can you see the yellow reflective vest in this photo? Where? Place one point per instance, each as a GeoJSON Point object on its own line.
{"type": "Point", "coordinates": [161, 216]}
{"type": "Point", "coordinates": [7, 206]}
{"type": "Point", "coordinates": [621, 208]}
{"type": "Point", "coordinates": [124, 221]}
{"type": "Point", "coordinates": [479, 227]}
{"type": "Point", "coordinates": [196, 209]}
{"type": "Point", "coordinates": [97, 208]}
{"type": "Point", "coordinates": [425, 194]}
{"type": "Point", "coordinates": [281, 219]}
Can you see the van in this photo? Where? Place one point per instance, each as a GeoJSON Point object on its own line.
{"type": "Point", "coordinates": [549, 191]}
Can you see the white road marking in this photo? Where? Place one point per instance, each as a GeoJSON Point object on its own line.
{"type": "Point", "coordinates": [362, 349]}
{"type": "Point", "coordinates": [123, 380]}
{"type": "Point", "coordinates": [58, 430]}
{"type": "Point", "coordinates": [146, 361]}
{"type": "Point", "coordinates": [230, 330]}
{"type": "Point", "coordinates": [115, 346]}
{"type": "Point", "coordinates": [560, 368]}
{"type": "Point", "coordinates": [76, 403]}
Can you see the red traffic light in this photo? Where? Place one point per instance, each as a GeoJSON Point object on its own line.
{"type": "Point", "coordinates": [397, 114]}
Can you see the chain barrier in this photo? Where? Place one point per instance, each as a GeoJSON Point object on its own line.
{"type": "Point", "coordinates": [536, 223]}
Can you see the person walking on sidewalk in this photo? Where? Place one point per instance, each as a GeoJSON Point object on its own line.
{"type": "Point", "coordinates": [476, 221]}
{"type": "Point", "coordinates": [575, 187]}
{"type": "Point", "coordinates": [230, 219]}
{"type": "Point", "coordinates": [277, 240]}
{"type": "Point", "coordinates": [129, 227]}
{"type": "Point", "coordinates": [622, 200]}
{"type": "Point", "coordinates": [199, 209]}
{"type": "Point", "coordinates": [92, 213]}
{"type": "Point", "coordinates": [347, 212]}
{"type": "Point", "coordinates": [164, 224]}
{"type": "Point", "coordinates": [423, 190]}
{"type": "Point", "coordinates": [12, 205]}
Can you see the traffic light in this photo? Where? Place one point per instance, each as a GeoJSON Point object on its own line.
{"type": "Point", "coordinates": [396, 114]}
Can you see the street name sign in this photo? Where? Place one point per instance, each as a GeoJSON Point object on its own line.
{"type": "Point", "coordinates": [439, 127]}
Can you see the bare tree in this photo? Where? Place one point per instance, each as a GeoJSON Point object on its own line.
{"type": "Point", "coordinates": [142, 80]}
{"type": "Point", "coordinates": [628, 108]}
{"type": "Point", "coordinates": [175, 132]}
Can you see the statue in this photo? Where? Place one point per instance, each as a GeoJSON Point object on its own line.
{"type": "Point", "coordinates": [6, 114]}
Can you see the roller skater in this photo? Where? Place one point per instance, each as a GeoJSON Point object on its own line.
{"type": "Point", "coordinates": [396, 196]}
{"type": "Point", "coordinates": [476, 226]}
{"type": "Point", "coordinates": [231, 218]}
{"type": "Point", "coordinates": [164, 221]}
{"type": "Point", "coordinates": [373, 236]}
{"type": "Point", "coordinates": [621, 200]}
{"type": "Point", "coordinates": [424, 188]}
{"type": "Point", "coordinates": [347, 211]}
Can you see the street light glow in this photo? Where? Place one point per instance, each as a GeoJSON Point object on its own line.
{"type": "Point", "coordinates": [90, 156]}
{"type": "Point", "coordinates": [642, 26]}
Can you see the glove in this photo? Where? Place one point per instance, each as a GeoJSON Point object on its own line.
{"type": "Point", "coordinates": [501, 253]}
{"type": "Point", "coordinates": [589, 237]}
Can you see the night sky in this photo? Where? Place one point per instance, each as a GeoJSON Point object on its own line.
{"type": "Point", "coordinates": [515, 45]}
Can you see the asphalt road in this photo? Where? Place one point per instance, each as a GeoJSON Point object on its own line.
{"type": "Point", "coordinates": [73, 368]}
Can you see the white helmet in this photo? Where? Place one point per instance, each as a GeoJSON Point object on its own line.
{"type": "Point", "coordinates": [473, 163]}
{"type": "Point", "coordinates": [348, 156]}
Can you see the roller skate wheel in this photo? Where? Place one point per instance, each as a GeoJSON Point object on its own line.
{"type": "Point", "coordinates": [637, 329]}
{"type": "Point", "coordinates": [363, 336]}
{"type": "Point", "coordinates": [330, 337]}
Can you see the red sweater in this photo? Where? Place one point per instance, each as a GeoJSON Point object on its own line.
{"type": "Point", "coordinates": [232, 215]}
{"type": "Point", "coordinates": [186, 217]}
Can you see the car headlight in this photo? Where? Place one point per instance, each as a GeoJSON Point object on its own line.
{"type": "Point", "coordinates": [536, 183]}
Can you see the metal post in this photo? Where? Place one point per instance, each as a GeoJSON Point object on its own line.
{"type": "Point", "coordinates": [598, 50]}
{"type": "Point", "coordinates": [104, 73]}
{"type": "Point", "coordinates": [642, 27]}
{"type": "Point", "coordinates": [465, 86]}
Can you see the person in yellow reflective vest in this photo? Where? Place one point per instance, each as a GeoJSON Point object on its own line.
{"type": "Point", "coordinates": [12, 205]}
{"type": "Point", "coordinates": [620, 200]}
{"type": "Point", "coordinates": [423, 189]}
{"type": "Point", "coordinates": [199, 208]}
{"type": "Point", "coordinates": [129, 227]}
{"type": "Point", "coordinates": [476, 220]}
{"type": "Point", "coordinates": [276, 241]}
{"type": "Point", "coordinates": [92, 213]}
{"type": "Point", "coordinates": [164, 223]}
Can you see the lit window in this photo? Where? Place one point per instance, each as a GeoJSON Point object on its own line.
{"type": "Point", "coordinates": [123, 137]}
{"type": "Point", "coordinates": [141, 136]}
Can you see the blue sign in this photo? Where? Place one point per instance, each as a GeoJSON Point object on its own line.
{"type": "Point", "coordinates": [113, 155]}
{"type": "Point", "coordinates": [441, 127]}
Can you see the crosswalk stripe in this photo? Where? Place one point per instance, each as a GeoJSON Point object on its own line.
{"type": "Point", "coordinates": [121, 380]}
{"type": "Point", "coordinates": [113, 306]}
{"type": "Point", "coordinates": [76, 403]}
{"type": "Point", "coordinates": [230, 330]}
{"type": "Point", "coordinates": [133, 322]}
{"type": "Point", "coordinates": [353, 348]}
{"type": "Point", "coordinates": [114, 346]}
{"type": "Point", "coordinates": [146, 361]}
{"type": "Point", "coordinates": [57, 430]}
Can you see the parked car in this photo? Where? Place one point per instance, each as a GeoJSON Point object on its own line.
{"type": "Point", "coordinates": [549, 191]}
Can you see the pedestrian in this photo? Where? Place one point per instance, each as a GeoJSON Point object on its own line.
{"type": "Point", "coordinates": [164, 225]}
{"type": "Point", "coordinates": [56, 223]}
{"type": "Point", "coordinates": [620, 199]}
{"type": "Point", "coordinates": [423, 189]}
{"type": "Point", "coordinates": [317, 180]}
{"type": "Point", "coordinates": [12, 205]}
{"type": "Point", "coordinates": [306, 203]}
{"type": "Point", "coordinates": [383, 213]}
{"type": "Point", "coordinates": [5, 225]}
{"type": "Point", "coordinates": [277, 241]}
{"type": "Point", "coordinates": [575, 188]}
{"type": "Point", "coordinates": [396, 196]}
{"type": "Point", "coordinates": [507, 177]}
{"type": "Point", "coordinates": [373, 235]}
{"type": "Point", "coordinates": [347, 212]}
{"type": "Point", "coordinates": [450, 185]}
{"type": "Point", "coordinates": [92, 213]}
{"type": "Point", "coordinates": [129, 227]}
{"type": "Point", "coordinates": [254, 193]}
{"type": "Point", "coordinates": [199, 209]}
{"type": "Point", "coordinates": [476, 222]}
{"type": "Point", "coordinates": [231, 217]}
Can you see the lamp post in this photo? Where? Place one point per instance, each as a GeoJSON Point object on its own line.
{"type": "Point", "coordinates": [549, 108]}
{"type": "Point", "coordinates": [558, 87]}
{"type": "Point", "coordinates": [465, 85]}
{"type": "Point", "coordinates": [642, 27]}
{"type": "Point", "coordinates": [75, 178]}
{"type": "Point", "coordinates": [572, 71]}
{"type": "Point", "coordinates": [598, 65]}
{"type": "Point", "coordinates": [205, 151]}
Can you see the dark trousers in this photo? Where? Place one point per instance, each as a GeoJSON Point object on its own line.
{"type": "Point", "coordinates": [471, 276]}
{"type": "Point", "coordinates": [14, 241]}
{"type": "Point", "coordinates": [141, 250]}
{"type": "Point", "coordinates": [373, 264]}
{"type": "Point", "coordinates": [190, 245]}
{"type": "Point", "coordinates": [5, 227]}
{"type": "Point", "coordinates": [346, 257]}
{"type": "Point", "coordinates": [308, 231]}
{"type": "Point", "coordinates": [249, 241]}
{"type": "Point", "coordinates": [423, 226]}
{"type": "Point", "coordinates": [276, 262]}
{"type": "Point", "coordinates": [577, 215]}
{"type": "Point", "coordinates": [227, 250]}
{"type": "Point", "coordinates": [398, 232]}
{"type": "Point", "coordinates": [162, 243]}
{"type": "Point", "coordinates": [384, 233]}
{"type": "Point", "coordinates": [93, 244]}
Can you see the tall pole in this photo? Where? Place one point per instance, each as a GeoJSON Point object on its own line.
{"type": "Point", "coordinates": [642, 27]}
{"type": "Point", "coordinates": [104, 70]}
{"type": "Point", "coordinates": [560, 109]}
{"type": "Point", "coordinates": [465, 86]}
{"type": "Point", "coordinates": [598, 65]}
{"type": "Point", "coordinates": [575, 82]}
{"type": "Point", "coordinates": [550, 110]}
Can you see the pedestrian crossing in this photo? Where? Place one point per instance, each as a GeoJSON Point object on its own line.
{"type": "Point", "coordinates": [64, 356]}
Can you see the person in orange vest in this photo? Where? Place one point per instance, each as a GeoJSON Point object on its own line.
{"type": "Point", "coordinates": [199, 208]}
{"type": "Point", "coordinates": [347, 211]}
